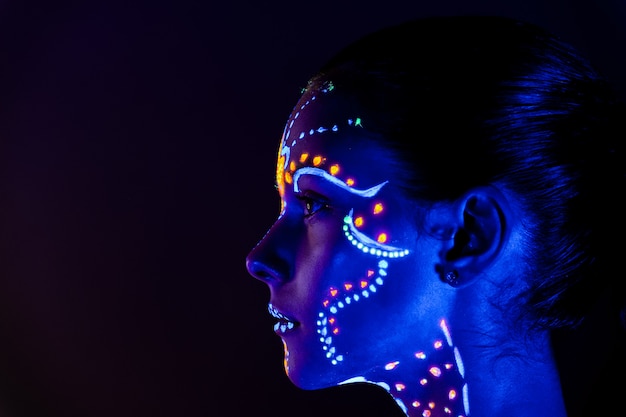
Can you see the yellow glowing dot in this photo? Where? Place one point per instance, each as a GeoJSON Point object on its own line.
{"type": "Point", "coordinates": [438, 344]}
{"type": "Point", "coordinates": [400, 386]}
{"type": "Point", "coordinates": [378, 207]}
{"type": "Point", "coordinates": [358, 222]}
{"type": "Point", "coordinates": [317, 160]}
{"type": "Point", "coordinates": [325, 303]}
{"type": "Point", "coordinates": [347, 286]}
{"type": "Point", "coordinates": [331, 320]}
{"type": "Point", "coordinates": [431, 405]}
{"type": "Point", "coordinates": [333, 292]}
{"type": "Point", "coordinates": [382, 238]}
{"type": "Point", "coordinates": [292, 166]}
{"type": "Point", "coordinates": [288, 178]}
{"type": "Point", "coordinates": [350, 182]}
{"type": "Point", "coordinates": [423, 381]}
{"type": "Point", "coordinates": [370, 273]}
{"type": "Point", "coordinates": [434, 371]}
{"type": "Point", "coordinates": [426, 413]}
{"type": "Point", "coordinates": [335, 331]}
{"type": "Point", "coordinates": [452, 394]}
{"type": "Point", "coordinates": [364, 284]}
{"type": "Point", "coordinates": [448, 365]}
{"type": "Point", "coordinates": [416, 404]}
{"type": "Point", "coordinates": [420, 355]}
{"type": "Point", "coordinates": [391, 365]}
{"type": "Point", "coordinates": [303, 157]}
{"type": "Point", "coordinates": [334, 169]}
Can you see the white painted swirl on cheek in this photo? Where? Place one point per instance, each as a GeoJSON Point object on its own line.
{"type": "Point", "coordinates": [358, 289]}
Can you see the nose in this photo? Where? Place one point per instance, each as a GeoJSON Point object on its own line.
{"type": "Point", "coordinates": [268, 261]}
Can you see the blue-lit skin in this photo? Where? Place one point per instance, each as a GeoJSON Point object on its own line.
{"type": "Point", "coordinates": [413, 334]}
{"type": "Point", "coordinates": [307, 254]}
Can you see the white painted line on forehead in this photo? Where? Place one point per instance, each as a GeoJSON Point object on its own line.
{"type": "Point", "coordinates": [370, 192]}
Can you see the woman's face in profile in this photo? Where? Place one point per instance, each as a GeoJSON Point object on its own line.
{"type": "Point", "coordinates": [344, 261]}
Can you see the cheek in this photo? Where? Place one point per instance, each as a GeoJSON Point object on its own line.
{"type": "Point", "coordinates": [360, 273]}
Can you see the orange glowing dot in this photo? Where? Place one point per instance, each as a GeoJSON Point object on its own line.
{"type": "Point", "coordinates": [431, 405]}
{"type": "Point", "coordinates": [333, 292]}
{"type": "Point", "coordinates": [435, 371]}
{"type": "Point", "coordinates": [347, 286]}
{"type": "Point", "coordinates": [448, 365]}
{"type": "Point", "coordinates": [363, 284]}
{"type": "Point", "coordinates": [350, 182]}
{"type": "Point", "coordinates": [303, 157]}
{"type": "Point", "coordinates": [378, 207]}
{"type": "Point", "coordinates": [416, 404]}
{"type": "Point", "coordinates": [334, 169]}
{"type": "Point", "coordinates": [288, 178]}
{"type": "Point", "coordinates": [335, 331]}
{"type": "Point", "coordinates": [420, 355]}
{"type": "Point", "coordinates": [426, 413]}
{"type": "Point", "coordinates": [400, 386]}
{"type": "Point", "coordinates": [292, 166]}
{"type": "Point", "coordinates": [423, 381]}
{"type": "Point", "coordinates": [325, 303]}
{"type": "Point", "coordinates": [370, 273]}
{"type": "Point", "coordinates": [391, 365]}
{"type": "Point", "coordinates": [317, 160]}
{"type": "Point", "coordinates": [358, 222]}
{"type": "Point", "coordinates": [452, 394]}
{"type": "Point", "coordinates": [331, 320]}
{"type": "Point", "coordinates": [382, 238]}
{"type": "Point", "coordinates": [438, 344]}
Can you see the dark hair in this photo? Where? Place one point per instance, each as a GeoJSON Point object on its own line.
{"type": "Point", "coordinates": [471, 101]}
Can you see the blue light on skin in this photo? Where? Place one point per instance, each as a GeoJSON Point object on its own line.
{"type": "Point", "coordinates": [338, 197]}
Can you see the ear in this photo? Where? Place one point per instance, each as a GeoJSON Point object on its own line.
{"type": "Point", "coordinates": [479, 232]}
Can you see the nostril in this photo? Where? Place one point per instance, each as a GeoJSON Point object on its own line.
{"type": "Point", "coordinates": [262, 271]}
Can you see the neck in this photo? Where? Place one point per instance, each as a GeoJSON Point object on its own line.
{"type": "Point", "coordinates": [460, 380]}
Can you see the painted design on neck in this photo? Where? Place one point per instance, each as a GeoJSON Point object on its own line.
{"type": "Point", "coordinates": [426, 383]}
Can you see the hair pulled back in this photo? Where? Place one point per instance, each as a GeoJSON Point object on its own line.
{"type": "Point", "coordinates": [473, 101]}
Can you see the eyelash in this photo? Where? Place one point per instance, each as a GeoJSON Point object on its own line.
{"type": "Point", "coordinates": [310, 203]}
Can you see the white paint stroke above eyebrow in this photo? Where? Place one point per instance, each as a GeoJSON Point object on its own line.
{"type": "Point", "coordinates": [370, 192]}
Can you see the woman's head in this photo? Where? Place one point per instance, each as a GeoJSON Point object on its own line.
{"type": "Point", "coordinates": [427, 164]}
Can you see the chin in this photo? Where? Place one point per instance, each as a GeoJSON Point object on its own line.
{"type": "Point", "coordinates": [311, 376]}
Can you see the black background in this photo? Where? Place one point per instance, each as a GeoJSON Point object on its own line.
{"type": "Point", "coordinates": [137, 144]}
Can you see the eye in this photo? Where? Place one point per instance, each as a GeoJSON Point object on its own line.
{"type": "Point", "coordinates": [312, 204]}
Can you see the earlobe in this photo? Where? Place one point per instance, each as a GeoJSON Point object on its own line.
{"type": "Point", "coordinates": [478, 238]}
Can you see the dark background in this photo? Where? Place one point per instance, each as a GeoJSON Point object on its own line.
{"type": "Point", "coordinates": [137, 144]}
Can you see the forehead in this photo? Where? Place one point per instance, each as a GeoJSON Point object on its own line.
{"type": "Point", "coordinates": [329, 131]}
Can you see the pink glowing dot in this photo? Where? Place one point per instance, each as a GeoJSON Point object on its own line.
{"type": "Point", "coordinates": [391, 365]}
{"type": "Point", "coordinates": [423, 381]}
{"type": "Point", "coordinates": [452, 394]}
{"type": "Point", "coordinates": [426, 413]}
{"type": "Point", "coordinates": [438, 344]}
{"type": "Point", "coordinates": [431, 405]}
{"type": "Point", "coordinates": [400, 386]}
{"type": "Point", "coordinates": [448, 365]}
{"type": "Point", "coordinates": [415, 404]}
{"type": "Point", "coordinates": [420, 355]}
{"type": "Point", "coordinates": [435, 371]}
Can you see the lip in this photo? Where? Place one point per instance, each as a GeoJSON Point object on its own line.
{"type": "Point", "coordinates": [284, 323]}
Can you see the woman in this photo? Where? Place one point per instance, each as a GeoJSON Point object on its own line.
{"type": "Point", "coordinates": [450, 193]}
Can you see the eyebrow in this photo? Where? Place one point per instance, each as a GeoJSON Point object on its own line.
{"type": "Point", "coordinates": [369, 192]}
